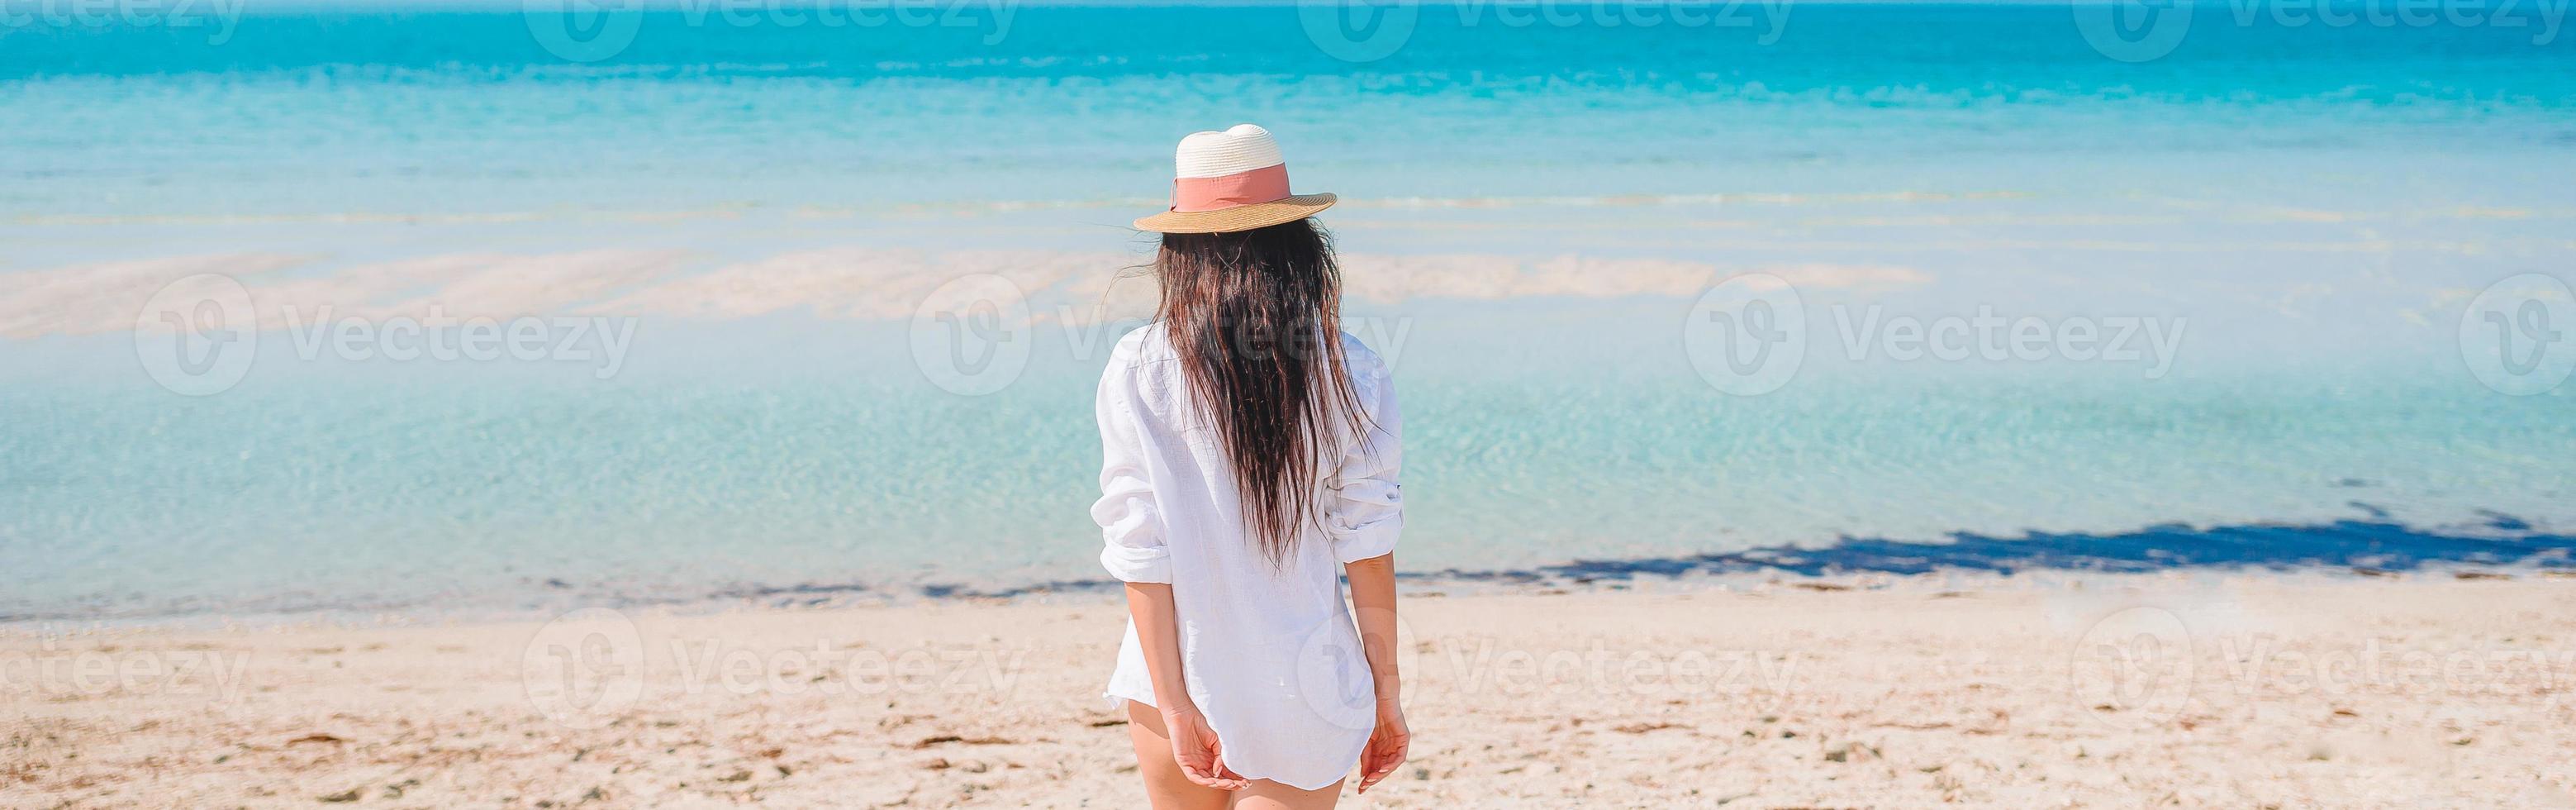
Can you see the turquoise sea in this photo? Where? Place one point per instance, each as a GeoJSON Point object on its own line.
{"type": "Point", "coordinates": [733, 231]}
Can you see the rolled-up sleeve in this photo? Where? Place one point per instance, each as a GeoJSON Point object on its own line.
{"type": "Point", "coordinates": [1131, 523]}
{"type": "Point", "coordinates": [1366, 510]}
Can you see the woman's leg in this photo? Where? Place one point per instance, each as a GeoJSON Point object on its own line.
{"type": "Point", "coordinates": [1264, 794]}
{"type": "Point", "coordinates": [1164, 783]}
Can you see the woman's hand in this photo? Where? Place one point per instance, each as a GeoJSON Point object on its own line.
{"type": "Point", "coordinates": [1195, 746]}
{"type": "Point", "coordinates": [1386, 745]}
{"type": "Point", "coordinates": [1373, 603]}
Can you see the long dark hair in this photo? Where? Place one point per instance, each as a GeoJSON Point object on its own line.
{"type": "Point", "coordinates": [1255, 318]}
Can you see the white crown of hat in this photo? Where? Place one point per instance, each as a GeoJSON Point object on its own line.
{"type": "Point", "coordinates": [1239, 149]}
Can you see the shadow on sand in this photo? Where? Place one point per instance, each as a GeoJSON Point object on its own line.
{"type": "Point", "coordinates": [2373, 546]}
{"type": "Point", "coordinates": [2353, 545]}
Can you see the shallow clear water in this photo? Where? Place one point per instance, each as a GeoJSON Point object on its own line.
{"type": "Point", "coordinates": [2311, 210]}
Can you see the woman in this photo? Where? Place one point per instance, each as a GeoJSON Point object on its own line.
{"type": "Point", "coordinates": [1249, 458]}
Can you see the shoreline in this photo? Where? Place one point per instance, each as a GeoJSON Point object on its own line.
{"type": "Point", "coordinates": [1905, 694]}
{"type": "Point", "coordinates": [1577, 578]}
{"type": "Point", "coordinates": [2506, 547]}
{"type": "Point", "coordinates": [1596, 577]}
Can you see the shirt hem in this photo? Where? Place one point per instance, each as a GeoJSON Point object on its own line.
{"type": "Point", "coordinates": [1113, 698]}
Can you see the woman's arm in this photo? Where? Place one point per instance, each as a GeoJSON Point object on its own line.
{"type": "Point", "coordinates": [1367, 513]}
{"type": "Point", "coordinates": [1373, 598]}
{"type": "Point", "coordinates": [1158, 632]}
{"type": "Point", "coordinates": [1131, 523]}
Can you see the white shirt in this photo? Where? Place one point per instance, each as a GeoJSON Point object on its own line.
{"type": "Point", "coordinates": [1269, 653]}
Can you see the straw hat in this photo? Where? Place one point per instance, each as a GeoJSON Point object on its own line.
{"type": "Point", "coordinates": [1231, 181]}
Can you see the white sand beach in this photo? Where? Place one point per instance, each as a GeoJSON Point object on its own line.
{"type": "Point", "coordinates": [2424, 689]}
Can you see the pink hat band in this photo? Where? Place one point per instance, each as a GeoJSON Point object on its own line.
{"type": "Point", "coordinates": [1196, 194]}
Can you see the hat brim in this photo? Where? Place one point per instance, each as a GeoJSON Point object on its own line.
{"type": "Point", "coordinates": [1238, 218]}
